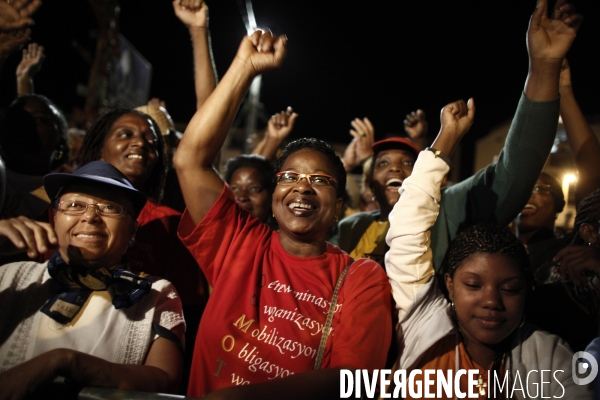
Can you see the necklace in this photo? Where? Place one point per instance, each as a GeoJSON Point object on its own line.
{"type": "Point", "coordinates": [481, 384]}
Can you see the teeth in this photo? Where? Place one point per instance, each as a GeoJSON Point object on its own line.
{"type": "Point", "coordinates": [301, 205]}
{"type": "Point", "coordinates": [138, 156]}
{"type": "Point", "coordinates": [530, 207]}
{"type": "Point", "coordinates": [394, 182]}
{"type": "Point", "coordinates": [83, 235]}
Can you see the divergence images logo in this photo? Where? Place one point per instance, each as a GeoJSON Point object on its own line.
{"type": "Point", "coordinates": [584, 367]}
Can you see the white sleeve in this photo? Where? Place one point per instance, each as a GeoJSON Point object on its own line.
{"type": "Point", "coordinates": [422, 309]}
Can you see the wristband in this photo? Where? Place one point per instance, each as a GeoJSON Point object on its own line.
{"type": "Point", "coordinates": [439, 154]}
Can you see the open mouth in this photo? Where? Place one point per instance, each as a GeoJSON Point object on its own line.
{"type": "Point", "coordinates": [393, 183]}
{"type": "Point", "coordinates": [529, 209]}
{"type": "Point", "coordinates": [301, 208]}
{"type": "Point", "coordinates": [135, 156]}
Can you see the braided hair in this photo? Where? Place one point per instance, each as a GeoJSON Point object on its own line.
{"type": "Point", "coordinates": [93, 143]}
{"type": "Point", "coordinates": [487, 238]}
{"type": "Point", "coordinates": [321, 147]}
{"type": "Point", "coordinates": [588, 212]}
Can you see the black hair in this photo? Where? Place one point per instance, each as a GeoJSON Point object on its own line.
{"type": "Point", "coordinates": [323, 148]}
{"type": "Point", "coordinates": [588, 212]}
{"type": "Point", "coordinates": [14, 118]}
{"type": "Point", "coordinates": [93, 142]}
{"type": "Point", "coordinates": [57, 114]}
{"type": "Point", "coordinates": [555, 191]}
{"type": "Point", "coordinates": [487, 238]}
{"type": "Point", "coordinates": [257, 162]}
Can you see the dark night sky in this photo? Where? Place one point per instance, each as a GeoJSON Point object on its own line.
{"type": "Point", "coordinates": [380, 59]}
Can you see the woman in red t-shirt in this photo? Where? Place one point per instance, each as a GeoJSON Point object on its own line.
{"type": "Point", "coordinates": [264, 333]}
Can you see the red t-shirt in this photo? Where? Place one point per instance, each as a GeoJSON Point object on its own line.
{"type": "Point", "coordinates": [158, 251]}
{"type": "Point", "coordinates": [265, 315]}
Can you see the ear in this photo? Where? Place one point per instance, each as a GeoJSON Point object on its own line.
{"type": "Point", "coordinates": [449, 285]}
{"type": "Point", "coordinates": [588, 233]}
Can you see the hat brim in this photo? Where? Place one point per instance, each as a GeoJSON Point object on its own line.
{"type": "Point", "coordinates": [55, 184]}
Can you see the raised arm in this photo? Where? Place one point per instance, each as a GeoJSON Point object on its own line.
{"type": "Point", "coordinates": [499, 192]}
{"type": "Point", "coordinates": [409, 264]}
{"type": "Point", "coordinates": [415, 126]}
{"type": "Point", "coordinates": [195, 17]}
{"type": "Point", "coordinates": [17, 14]}
{"type": "Point", "coordinates": [206, 132]}
{"type": "Point", "coordinates": [279, 127]}
{"type": "Point", "coordinates": [360, 148]}
{"type": "Point", "coordinates": [581, 138]}
{"type": "Point", "coordinates": [31, 63]}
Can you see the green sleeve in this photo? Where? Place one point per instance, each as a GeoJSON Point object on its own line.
{"type": "Point", "coordinates": [498, 192]}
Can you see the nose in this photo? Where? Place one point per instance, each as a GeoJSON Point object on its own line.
{"type": "Point", "coordinates": [492, 299]}
{"type": "Point", "coordinates": [138, 140]}
{"type": "Point", "coordinates": [303, 186]}
{"type": "Point", "coordinates": [241, 196]}
{"type": "Point", "coordinates": [91, 214]}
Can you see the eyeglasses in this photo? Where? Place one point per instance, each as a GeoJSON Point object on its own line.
{"type": "Point", "coordinates": [293, 177]}
{"type": "Point", "coordinates": [542, 189]}
{"type": "Point", "coordinates": [70, 207]}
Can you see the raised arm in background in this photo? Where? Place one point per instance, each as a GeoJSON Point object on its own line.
{"type": "Point", "coordinates": [416, 126]}
{"type": "Point", "coordinates": [361, 147]}
{"type": "Point", "coordinates": [31, 63]}
{"type": "Point", "coordinates": [206, 132]}
{"type": "Point", "coordinates": [499, 192]}
{"type": "Point", "coordinates": [11, 42]}
{"type": "Point", "coordinates": [584, 144]}
{"type": "Point", "coordinates": [17, 14]}
{"type": "Point", "coordinates": [194, 14]}
{"type": "Point", "coordinates": [279, 127]}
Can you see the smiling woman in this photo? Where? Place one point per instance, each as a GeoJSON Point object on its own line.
{"type": "Point", "coordinates": [83, 314]}
{"type": "Point", "coordinates": [131, 142]}
{"type": "Point", "coordinates": [286, 304]}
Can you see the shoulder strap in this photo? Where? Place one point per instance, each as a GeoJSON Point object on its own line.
{"type": "Point", "coordinates": [332, 307]}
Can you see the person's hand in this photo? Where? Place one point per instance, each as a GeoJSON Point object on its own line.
{"type": "Point", "coordinates": [456, 118]}
{"type": "Point", "coordinates": [281, 124]}
{"type": "Point", "coordinates": [193, 13]}
{"type": "Point", "coordinates": [262, 51]}
{"type": "Point", "coordinates": [155, 101]}
{"type": "Point", "coordinates": [577, 262]}
{"type": "Point", "coordinates": [415, 125]}
{"type": "Point", "coordinates": [23, 234]}
{"type": "Point", "coordinates": [16, 14]}
{"type": "Point", "coordinates": [360, 148]}
{"type": "Point", "coordinates": [565, 76]}
{"type": "Point", "coordinates": [25, 378]}
{"type": "Point", "coordinates": [549, 39]}
{"type": "Point", "coordinates": [364, 135]}
{"type": "Point", "coordinates": [11, 42]}
{"type": "Point", "coordinates": [31, 63]}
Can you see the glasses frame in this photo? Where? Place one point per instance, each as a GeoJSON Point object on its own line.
{"type": "Point", "coordinates": [546, 187]}
{"type": "Point", "coordinates": [308, 178]}
{"type": "Point", "coordinates": [87, 207]}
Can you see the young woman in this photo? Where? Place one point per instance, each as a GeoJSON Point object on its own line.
{"type": "Point", "coordinates": [83, 315]}
{"type": "Point", "coordinates": [486, 270]}
{"type": "Point", "coordinates": [264, 332]}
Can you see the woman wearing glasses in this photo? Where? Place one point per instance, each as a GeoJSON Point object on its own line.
{"type": "Point", "coordinates": [264, 333]}
{"type": "Point", "coordinates": [83, 315]}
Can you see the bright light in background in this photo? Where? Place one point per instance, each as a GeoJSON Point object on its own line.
{"type": "Point", "coordinates": [569, 178]}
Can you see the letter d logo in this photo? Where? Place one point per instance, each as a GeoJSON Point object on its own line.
{"type": "Point", "coordinates": [583, 364]}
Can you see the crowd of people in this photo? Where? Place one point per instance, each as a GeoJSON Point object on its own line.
{"type": "Point", "coordinates": [128, 261]}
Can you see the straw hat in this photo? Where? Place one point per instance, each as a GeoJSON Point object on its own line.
{"type": "Point", "coordinates": [162, 118]}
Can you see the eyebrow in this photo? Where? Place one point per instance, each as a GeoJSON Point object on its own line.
{"type": "Point", "coordinates": [510, 278]}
